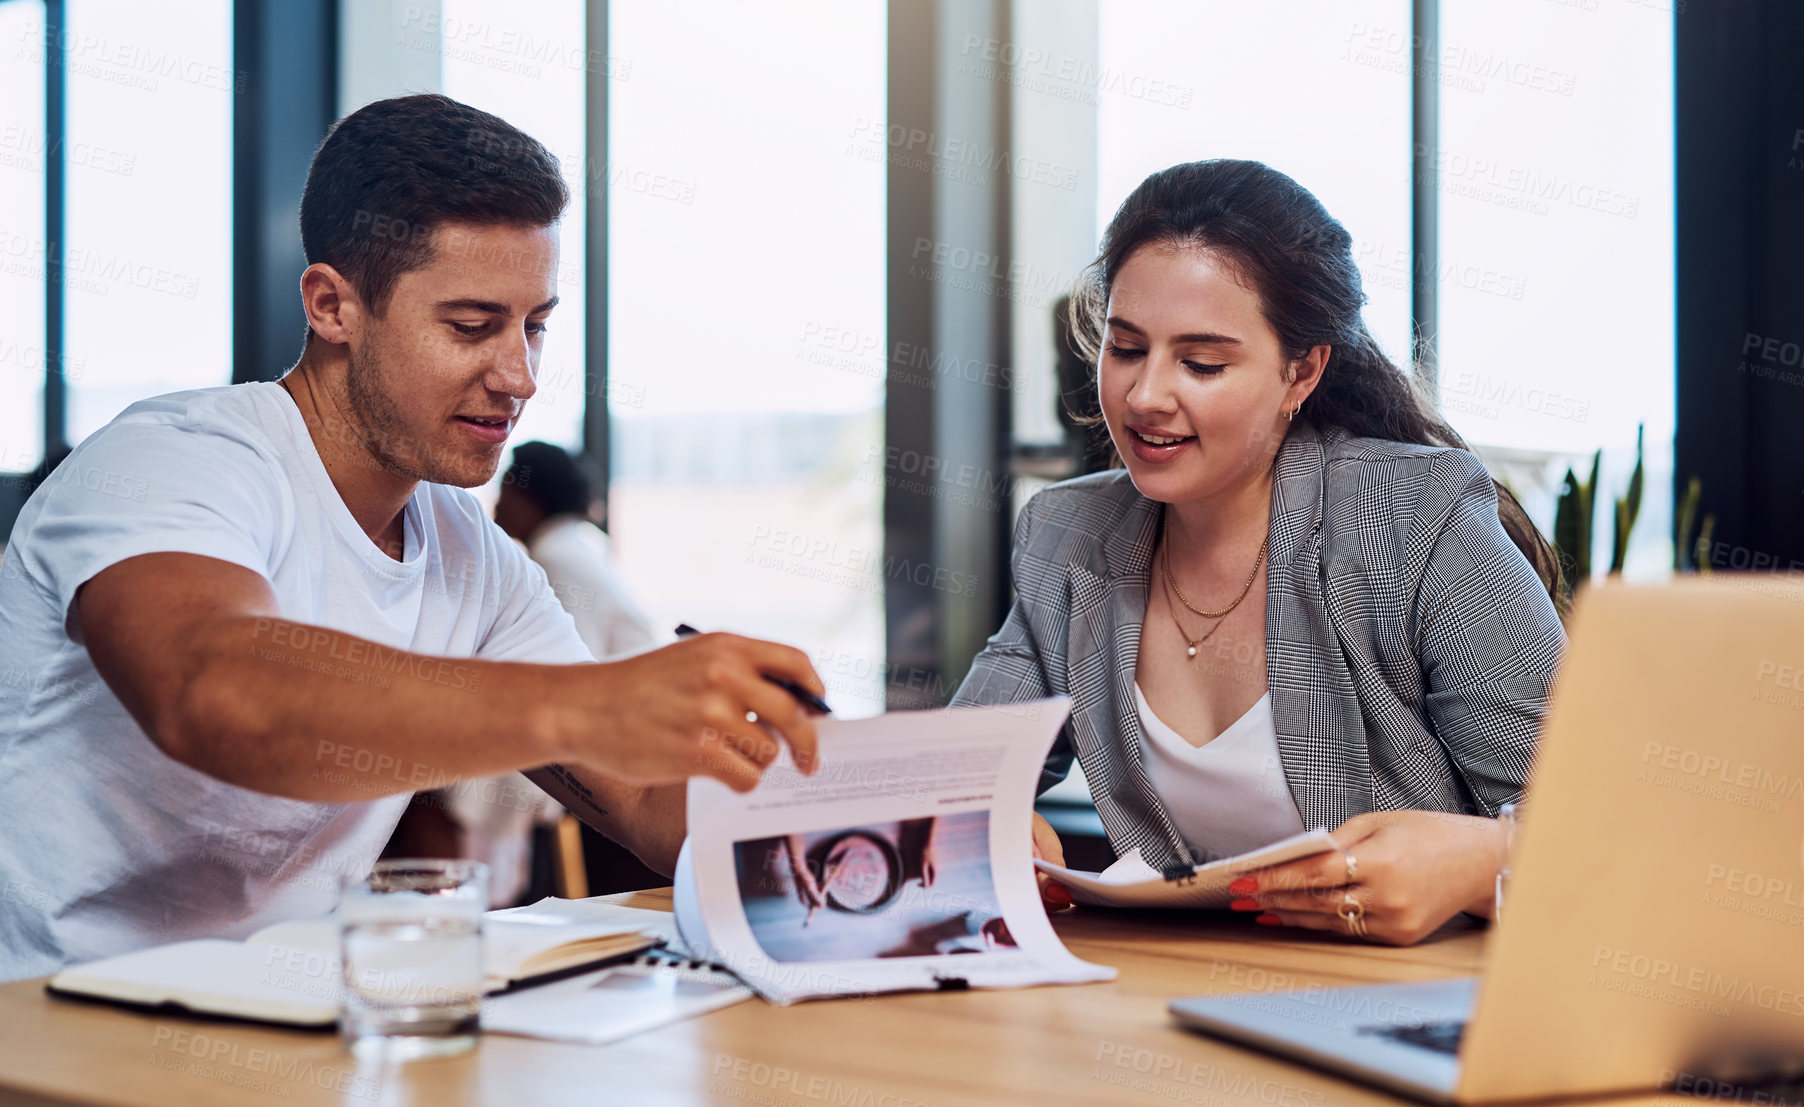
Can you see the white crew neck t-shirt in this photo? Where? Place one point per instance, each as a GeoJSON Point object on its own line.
{"type": "Point", "coordinates": [109, 845]}
{"type": "Point", "coordinates": [1227, 796]}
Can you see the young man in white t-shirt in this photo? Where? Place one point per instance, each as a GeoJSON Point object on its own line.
{"type": "Point", "coordinates": [240, 625]}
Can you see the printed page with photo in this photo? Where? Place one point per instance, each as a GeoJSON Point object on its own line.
{"type": "Point", "coordinates": [904, 862]}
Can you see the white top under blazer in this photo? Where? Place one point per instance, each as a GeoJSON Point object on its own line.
{"type": "Point", "coordinates": [1228, 796]}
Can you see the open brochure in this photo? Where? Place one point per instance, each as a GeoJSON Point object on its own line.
{"type": "Point", "coordinates": [291, 972]}
{"type": "Point", "coordinates": [1131, 882]}
{"type": "Point", "coordinates": [903, 863]}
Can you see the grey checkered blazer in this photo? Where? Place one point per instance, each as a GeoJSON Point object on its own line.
{"type": "Point", "coordinates": [1409, 645]}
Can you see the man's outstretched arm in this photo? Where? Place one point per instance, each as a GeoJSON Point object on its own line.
{"type": "Point", "coordinates": [196, 650]}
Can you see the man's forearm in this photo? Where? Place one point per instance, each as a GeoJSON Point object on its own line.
{"type": "Point", "coordinates": [648, 821]}
{"type": "Point", "coordinates": [315, 714]}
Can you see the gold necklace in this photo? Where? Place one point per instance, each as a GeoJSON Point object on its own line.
{"type": "Point", "coordinates": [1190, 644]}
{"type": "Point", "coordinates": [1257, 561]}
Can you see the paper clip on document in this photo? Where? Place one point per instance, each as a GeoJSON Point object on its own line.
{"type": "Point", "coordinates": [1178, 873]}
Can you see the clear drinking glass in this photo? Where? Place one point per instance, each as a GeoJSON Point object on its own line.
{"type": "Point", "coordinates": [411, 941]}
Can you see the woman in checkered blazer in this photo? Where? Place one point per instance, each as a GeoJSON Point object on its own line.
{"type": "Point", "coordinates": [1301, 603]}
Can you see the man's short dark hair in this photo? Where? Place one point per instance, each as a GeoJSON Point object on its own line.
{"type": "Point", "coordinates": [391, 172]}
{"type": "Point", "coordinates": [548, 476]}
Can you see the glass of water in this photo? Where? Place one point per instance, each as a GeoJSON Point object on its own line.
{"type": "Point", "coordinates": [411, 942]}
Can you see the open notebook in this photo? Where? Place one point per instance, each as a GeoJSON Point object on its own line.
{"type": "Point", "coordinates": [291, 973]}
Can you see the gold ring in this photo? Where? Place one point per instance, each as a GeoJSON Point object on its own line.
{"type": "Point", "coordinates": [1352, 868]}
{"type": "Point", "coordinates": [1353, 913]}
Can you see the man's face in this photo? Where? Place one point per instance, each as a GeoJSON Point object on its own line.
{"type": "Point", "coordinates": [437, 383]}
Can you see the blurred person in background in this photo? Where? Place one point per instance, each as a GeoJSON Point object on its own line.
{"type": "Point", "coordinates": [548, 504]}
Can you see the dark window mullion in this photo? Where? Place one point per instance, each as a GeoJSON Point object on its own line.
{"type": "Point", "coordinates": [1425, 211]}
{"type": "Point", "coordinates": [55, 166]}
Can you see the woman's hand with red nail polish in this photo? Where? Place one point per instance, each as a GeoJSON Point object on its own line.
{"type": "Point", "coordinates": [1416, 870]}
{"type": "Point", "coordinates": [1047, 847]}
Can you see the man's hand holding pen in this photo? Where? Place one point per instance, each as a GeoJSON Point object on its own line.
{"type": "Point", "coordinates": [710, 704]}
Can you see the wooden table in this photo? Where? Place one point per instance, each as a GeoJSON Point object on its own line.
{"type": "Point", "coordinates": [1090, 1044]}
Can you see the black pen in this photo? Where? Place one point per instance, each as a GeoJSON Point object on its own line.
{"type": "Point", "coordinates": [803, 696]}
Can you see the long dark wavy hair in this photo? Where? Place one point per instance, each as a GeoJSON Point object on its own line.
{"type": "Point", "coordinates": [1299, 260]}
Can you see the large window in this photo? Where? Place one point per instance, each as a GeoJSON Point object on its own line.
{"type": "Point", "coordinates": [747, 324]}
{"type": "Point", "coordinates": [527, 64]}
{"type": "Point", "coordinates": [1555, 268]}
{"type": "Point", "coordinates": [22, 246]}
{"type": "Point", "coordinates": [1318, 89]}
{"type": "Point", "coordinates": [746, 189]}
{"type": "Point", "coordinates": [147, 274]}
{"type": "Point", "coordinates": [1557, 307]}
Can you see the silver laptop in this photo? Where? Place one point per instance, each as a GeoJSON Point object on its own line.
{"type": "Point", "coordinates": [1653, 926]}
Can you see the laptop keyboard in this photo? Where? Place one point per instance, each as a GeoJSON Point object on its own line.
{"type": "Point", "coordinates": [1442, 1037]}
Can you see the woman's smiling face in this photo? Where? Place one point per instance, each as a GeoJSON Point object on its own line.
{"type": "Point", "coordinates": [1192, 378]}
